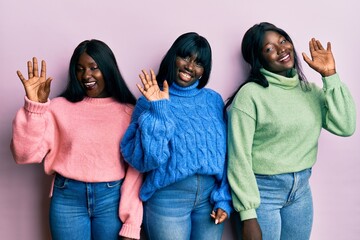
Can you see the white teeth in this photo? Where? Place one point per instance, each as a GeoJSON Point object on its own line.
{"type": "Point", "coordinates": [89, 84]}
{"type": "Point", "coordinates": [284, 58]}
{"type": "Point", "coordinates": [186, 75]}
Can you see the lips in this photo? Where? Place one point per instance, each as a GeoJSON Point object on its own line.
{"type": "Point", "coordinates": [89, 85]}
{"type": "Point", "coordinates": [185, 76]}
{"type": "Point", "coordinates": [285, 58]}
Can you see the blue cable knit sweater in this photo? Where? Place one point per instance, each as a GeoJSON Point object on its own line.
{"type": "Point", "coordinates": [176, 138]}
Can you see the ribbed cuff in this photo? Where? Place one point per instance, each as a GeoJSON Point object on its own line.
{"type": "Point", "coordinates": [36, 107]}
{"type": "Point", "coordinates": [160, 108]}
{"type": "Point", "coordinates": [248, 214]}
{"type": "Point", "coordinates": [130, 231]}
{"type": "Point", "coordinates": [224, 205]}
{"type": "Point", "coordinates": [332, 81]}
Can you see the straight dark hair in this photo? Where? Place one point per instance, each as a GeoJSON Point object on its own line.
{"type": "Point", "coordinates": [188, 44]}
{"type": "Point", "coordinates": [106, 61]}
{"type": "Point", "coordinates": [251, 48]}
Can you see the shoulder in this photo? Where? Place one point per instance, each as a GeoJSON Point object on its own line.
{"type": "Point", "coordinates": [212, 94]}
{"type": "Point", "coordinates": [249, 92]}
{"type": "Point", "coordinates": [59, 102]}
{"type": "Point", "coordinates": [128, 108]}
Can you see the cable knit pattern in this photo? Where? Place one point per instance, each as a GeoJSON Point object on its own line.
{"type": "Point", "coordinates": [81, 141]}
{"type": "Point", "coordinates": [176, 138]}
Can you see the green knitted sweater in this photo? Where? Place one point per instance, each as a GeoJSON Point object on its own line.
{"type": "Point", "coordinates": [276, 129]}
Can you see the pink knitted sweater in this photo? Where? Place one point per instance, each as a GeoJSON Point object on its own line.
{"type": "Point", "coordinates": [81, 141]}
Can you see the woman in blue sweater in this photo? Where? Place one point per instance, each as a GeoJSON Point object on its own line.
{"type": "Point", "coordinates": [177, 136]}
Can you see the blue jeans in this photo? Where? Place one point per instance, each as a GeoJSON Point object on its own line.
{"type": "Point", "coordinates": [286, 208]}
{"type": "Point", "coordinates": [84, 211]}
{"type": "Point", "coordinates": [181, 211]}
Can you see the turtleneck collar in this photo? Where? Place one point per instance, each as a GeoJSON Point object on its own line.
{"type": "Point", "coordinates": [281, 81]}
{"type": "Point", "coordinates": [189, 91]}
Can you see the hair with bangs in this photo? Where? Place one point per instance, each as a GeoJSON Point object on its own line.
{"type": "Point", "coordinates": [251, 48]}
{"type": "Point", "coordinates": [106, 61]}
{"type": "Point", "coordinates": [188, 44]}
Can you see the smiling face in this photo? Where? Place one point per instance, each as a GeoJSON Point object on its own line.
{"type": "Point", "coordinates": [90, 77]}
{"type": "Point", "coordinates": [277, 53]}
{"type": "Point", "coordinates": [188, 70]}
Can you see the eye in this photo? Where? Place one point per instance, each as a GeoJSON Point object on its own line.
{"type": "Point", "coordinates": [199, 64]}
{"type": "Point", "coordinates": [187, 59]}
{"type": "Point", "coordinates": [79, 69]}
{"type": "Point", "coordinates": [283, 41]}
{"type": "Point", "coordinates": [269, 49]}
{"type": "Point", "coordinates": [94, 68]}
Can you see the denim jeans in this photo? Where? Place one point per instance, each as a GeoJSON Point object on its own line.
{"type": "Point", "coordinates": [286, 208]}
{"type": "Point", "coordinates": [181, 211]}
{"type": "Point", "coordinates": [84, 211]}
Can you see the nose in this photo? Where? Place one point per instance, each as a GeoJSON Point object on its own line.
{"type": "Point", "coordinates": [190, 65]}
{"type": "Point", "coordinates": [281, 49]}
{"type": "Point", "coordinates": [86, 74]}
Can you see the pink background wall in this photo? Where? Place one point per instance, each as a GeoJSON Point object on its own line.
{"type": "Point", "coordinates": [139, 34]}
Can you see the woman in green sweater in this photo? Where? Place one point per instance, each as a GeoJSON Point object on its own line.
{"type": "Point", "coordinates": [274, 123]}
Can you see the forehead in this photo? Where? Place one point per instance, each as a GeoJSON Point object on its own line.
{"type": "Point", "coordinates": [271, 37]}
{"type": "Point", "coordinates": [85, 60]}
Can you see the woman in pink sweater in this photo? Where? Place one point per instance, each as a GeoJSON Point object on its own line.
{"type": "Point", "coordinates": [95, 194]}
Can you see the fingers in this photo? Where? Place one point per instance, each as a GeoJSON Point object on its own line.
{"type": "Point", "coordinates": [43, 69]}
{"type": "Point", "coordinates": [166, 86]}
{"type": "Point", "coordinates": [48, 84]}
{"type": "Point", "coordinates": [328, 47]}
{"type": "Point", "coordinates": [153, 77]}
{"type": "Point", "coordinates": [306, 58]}
{"type": "Point", "coordinates": [20, 76]}
{"type": "Point", "coordinates": [220, 216]}
{"type": "Point", "coordinates": [30, 69]}
{"type": "Point", "coordinates": [35, 67]}
{"type": "Point", "coordinates": [316, 45]}
{"type": "Point", "coordinates": [148, 80]}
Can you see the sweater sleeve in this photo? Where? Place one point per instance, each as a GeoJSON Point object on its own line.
{"type": "Point", "coordinates": [339, 112]}
{"type": "Point", "coordinates": [32, 131]}
{"type": "Point", "coordinates": [145, 145]}
{"type": "Point", "coordinates": [131, 208]}
{"type": "Point", "coordinates": [221, 195]}
{"type": "Point", "coordinates": [245, 193]}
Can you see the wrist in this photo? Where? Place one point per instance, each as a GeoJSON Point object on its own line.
{"type": "Point", "coordinates": [328, 72]}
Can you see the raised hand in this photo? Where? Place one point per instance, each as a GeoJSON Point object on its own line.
{"type": "Point", "coordinates": [37, 88]}
{"type": "Point", "coordinates": [322, 60]}
{"type": "Point", "coordinates": [150, 89]}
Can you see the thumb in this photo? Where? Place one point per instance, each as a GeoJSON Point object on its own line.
{"type": "Point", "coordinates": [166, 86]}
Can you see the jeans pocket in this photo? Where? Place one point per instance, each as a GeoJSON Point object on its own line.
{"type": "Point", "coordinates": [114, 183]}
{"type": "Point", "coordinates": [60, 181]}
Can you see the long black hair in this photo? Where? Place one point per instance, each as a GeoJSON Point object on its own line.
{"type": "Point", "coordinates": [251, 48]}
{"type": "Point", "coordinates": [105, 59]}
{"type": "Point", "coordinates": [187, 44]}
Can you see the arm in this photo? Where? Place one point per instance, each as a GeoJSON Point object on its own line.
{"type": "Point", "coordinates": [221, 194]}
{"type": "Point", "coordinates": [338, 107]}
{"type": "Point", "coordinates": [245, 193]}
{"type": "Point", "coordinates": [221, 197]}
{"type": "Point", "coordinates": [32, 124]}
{"type": "Point", "coordinates": [339, 112]}
{"type": "Point", "coordinates": [131, 208]}
{"type": "Point", "coordinates": [145, 144]}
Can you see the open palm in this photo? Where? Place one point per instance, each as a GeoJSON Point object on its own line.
{"type": "Point", "coordinates": [150, 89]}
{"type": "Point", "coordinates": [37, 88]}
{"type": "Point", "coordinates": [322, 60]}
